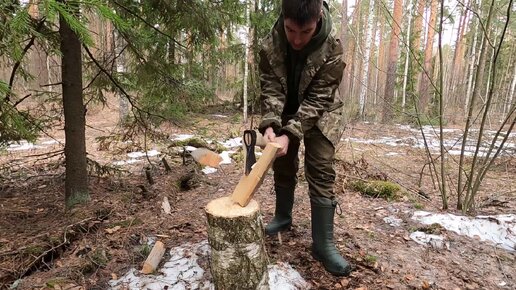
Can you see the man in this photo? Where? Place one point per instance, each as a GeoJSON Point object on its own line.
{"type": "Point", "coordinates": [300, 70]}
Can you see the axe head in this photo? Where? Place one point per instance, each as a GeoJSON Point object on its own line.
{"type": "Point", "coordinates": [249, 141]}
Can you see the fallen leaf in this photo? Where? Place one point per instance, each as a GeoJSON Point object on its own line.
{"type": "Point", "coordinates": [425, 285]}
{"type": "Point", "coordinates": [344, 282]}
{"type": "Point", "coordinates": [113, 230]}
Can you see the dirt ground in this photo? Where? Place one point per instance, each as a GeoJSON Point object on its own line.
{"type": "Point", "coordinates": [44, 247]}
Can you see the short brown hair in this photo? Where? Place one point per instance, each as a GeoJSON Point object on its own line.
{"type": "Point", "coordinates": [301, 11]}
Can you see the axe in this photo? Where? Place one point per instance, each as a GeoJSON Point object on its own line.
{"type": "Point", "coordinates": [254, 171]}
{"type": "Point", "coordinates": [250, 139]}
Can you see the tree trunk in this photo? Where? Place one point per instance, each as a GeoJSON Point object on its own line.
{"type": "Point", "coordinates": [246, 57]}
{"type": "Point", "coordinates": [368, 39]}
{"type": "Point", "coordinates": [388, 106]}
{"type": "Point", "coordinates": [407, 60]}
{"type": "Point", "coordinates": [458, 66]}
{"type": "Point", "coordinates": [381, 75]}
{"type": "Point", "coordinates": [426, 75]}
{"type": "Point", "coordinates": [235, 234]}
{"type": "Point", "coordinates": [344, 31]}
{"type": "Point", "coordinates": [510, 95]}
{"type": "Point", "coordinates": [119, 63]}
{"type": "Point", "coordinates": [424, 94]}
{"type": "Point", "coordinates": [76, 180]}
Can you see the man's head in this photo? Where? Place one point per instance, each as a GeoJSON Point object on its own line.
{"type": "Point", "coordinates": [300, 18]}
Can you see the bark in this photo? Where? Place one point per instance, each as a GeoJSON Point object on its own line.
{"type": "Point", "coordinates": [407, 60]}
{"type": "Point", "coordinates": [344, 31]}
{"type": "Point", "coordinates": [479, 76]}
{"type": "Point", "coordinates": [353, 51]}
{"type": "Point", "coordinates": [369, 38]}
{"type": "Point", "coordinates": [76, 180]}
{"type": "Point", "coordinates": [381, 75]}
{"type": "Point", "coordinates": [119, 63]}
{"type": "Point", "coordinates": [388, 110]}
{"type": "Point", "coordinates": [458, 65]}
{"type": "Point", "coordinates": [424, 94]}
{"type": "Point", "coordinates": [416, 45]}
{"type": "Point", "coordinates": [510, 95]}
{"type": "Point", "coordinates": [235, 234]}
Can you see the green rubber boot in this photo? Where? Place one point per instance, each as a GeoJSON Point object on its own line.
{"type": "Point", "coordinates": [282, 220]}
{"type": "Point", "coordinates": [323, 248]}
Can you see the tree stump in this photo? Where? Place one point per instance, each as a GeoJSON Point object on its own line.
{"type": "Point", "coordinates": [235, 235]}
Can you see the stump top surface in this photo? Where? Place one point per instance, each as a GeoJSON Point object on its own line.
{"type": "Point", "coordinates": [225, 207]}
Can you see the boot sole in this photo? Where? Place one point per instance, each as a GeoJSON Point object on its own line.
{"type": "Point", "coordinates": [346, 272]}
{"type": "Point", "coordinates": [281, 229]}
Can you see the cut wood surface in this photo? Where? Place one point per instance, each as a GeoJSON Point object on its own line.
{"type": "Point", "coordinates": [237, 251]}
{"type": "Point", "coordinates": [248, 185]}
{"type": "Point", "coordinates": [154, 258]}
{"type": "Point", "coordinates": [206, 157]}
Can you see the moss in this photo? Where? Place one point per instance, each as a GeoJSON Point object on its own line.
{"type": "Point", "coordinates": [35, 250]}
{"type": "Point", "coordinates": [128, 222]}
{"type": "Point", "coordinates": [434, 229]}
{"type": "Point", "coordinates": [418, 205]}
{"type": "Point", "coordinates": [195, 142]}
{"type": "Point", "coordinates": [99, 257]}
{"type": "Point", "coordinates": [377, 188]}
{"type": "Point", "coordinates": [370, 259]}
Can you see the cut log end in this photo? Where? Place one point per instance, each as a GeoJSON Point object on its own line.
{"type": "Point", "coordinates": [226, 207]}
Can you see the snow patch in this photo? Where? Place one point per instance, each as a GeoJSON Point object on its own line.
{"type": "Point", "coordinates": [499, 229]}
{"type": "Point", "coordinates": [209, 170]}
{"type": "Point", "coordinates": [393, 221]}
{"type": "Point", "coordinates": [435, 241]}
{"type": "Point", "coordinates": [22, 145]}
{"type": "Point", "coordinates": [139, 154]}
{"type": "Point", "coordinates": [124, 162]}
{"type": "Point", "coordinates": [181, 137]}
{"type": "Point", "coordinates": [232, 143]}
{"type": "Point", "coordinates": [182, 271]}
{"type": "Point", "coordinates": [225, 157]}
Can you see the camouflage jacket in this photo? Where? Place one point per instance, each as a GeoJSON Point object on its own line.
{"type": "Point", "coordinates": [319, 99]}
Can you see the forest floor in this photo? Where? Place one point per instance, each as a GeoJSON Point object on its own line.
{"type": "Point", "coordinates": [44, 247]}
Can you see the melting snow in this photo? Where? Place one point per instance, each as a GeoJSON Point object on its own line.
{"type": "Point", "coordinates": [427, 239]}
{"type": "Point", "coordinates": [181, 137]}
{"type": "Point", "coordinates": [393, 221]}
{"type": "Point", "coordinates": [225, 157]}
{"type": "Point", "coordinates": [139, 154]}
{"type": "Point", "coordinates": [124, 162]}
{"type": "Point", "coordinates": [22, 145]}
{"type": "Point", "coordinates": [219, 116]}
{"type": "Point", "coordinates": [232, 143]}
{"type": "Point", "coordinates": [182, 271]}
{"type": "Point", "coordinates": [499, 229]}
{"type": "Point", "coordinates": [209, 170]}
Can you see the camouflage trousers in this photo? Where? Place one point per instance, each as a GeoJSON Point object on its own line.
{"type": "Point", "coordinates": [319, 172]}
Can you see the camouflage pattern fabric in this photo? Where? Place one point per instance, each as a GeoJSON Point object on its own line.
{"type": "Point", "coordinates": [320, 101]}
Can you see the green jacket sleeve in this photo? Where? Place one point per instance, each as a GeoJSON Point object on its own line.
{"type": "Point", "coordinates": [272, 96]}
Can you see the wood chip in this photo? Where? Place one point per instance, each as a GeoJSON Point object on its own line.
{"type": "Point", "coordinates": [165, 205]}
{"type": "Point", "coordinates": [113, 230]}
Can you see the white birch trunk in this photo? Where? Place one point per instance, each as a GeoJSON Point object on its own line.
{"type": "Point", "coordinates": [405, 74]}
{"type": "Point", "coordinates": [510, 96]}
{"type": "Point", "coordinates": [365, 72]}
{"type": "Point", "coordinates": [246, 56]}
{"type": "Point", "coordinates": [118, 43]}
{"type": "Point", "coordinates": [471, 69]}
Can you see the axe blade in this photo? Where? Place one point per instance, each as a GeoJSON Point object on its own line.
{"type": "Point", "coordinates": [249, 141]}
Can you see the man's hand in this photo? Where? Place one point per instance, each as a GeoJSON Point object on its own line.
{"type": "Point", "coordinates": [283, 141]}
{"type": "Point", "coordinates": [269, 135]}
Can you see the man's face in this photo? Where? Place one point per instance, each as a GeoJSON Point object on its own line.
{"type": "Point", "coordinates": [299, 36]}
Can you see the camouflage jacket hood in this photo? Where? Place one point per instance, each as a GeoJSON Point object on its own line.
{"type": "Point", "coordinates": [318, 95]}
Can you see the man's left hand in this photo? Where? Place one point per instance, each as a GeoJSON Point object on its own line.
{"type": "Point", "coordinates": [283, 141]}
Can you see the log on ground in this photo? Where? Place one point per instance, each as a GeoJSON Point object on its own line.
{"type": "Point", "coordinates": [235, 234]}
